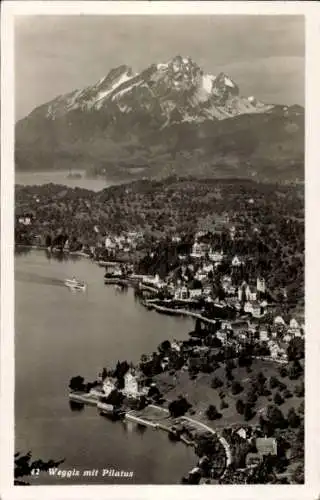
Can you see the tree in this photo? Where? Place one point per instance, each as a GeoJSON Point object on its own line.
{"type": "Point", "coordinates": [223, 405]}
{"type": "Point", "coordinates": [230, 364]}
{"type": "Point", "coordinates": [179, 407]}
{"type": "Point", "coordinates": [259, 382]}
{"type": "Point", "coordinates": [229, 375]}
{"type": "Point", "coordinates": [77, 383]}
{"type": "Point", "coordinates": [208, 446]}
{"type": "Point", "coordinates": [154, 392]}
{"type": "Point", "coordinates": [287, 394]}
{"type": "Point", "coordinates": [301, 408]}
{"type": "Point", "coordinates": [198, 328]}
{"type": "Point", "coordinates": [278, 400]}
{"type": "Point", "coordinates": [252, 395]}
{"type": "Point", "coordinates": [240, 406]}
{"type": "Point", "coordinates": [248, 412]}
{"type": "Point", "coordinates": [275, 417]}
{"type": "Point", "coordinates": [299, 390]}
{"type": "Point", "coordinates": [121, 369]}
{"type": "Point", "coordinates": [298, 474]}
{"type": "Point", "coordinates": [216, 382]}
{"type": "Point", "coordinates": [24, 466]}
{"type": "Point", "coordinates": [236, 388]}
{"type": "Point", "coordinates": [294, 370]}
{"type": "Point", "coordinates": [273, 382]}
{"type": "Point", "coordinates": [295, 349]}
{"type": "Point", "coordinates": [212, 413]}
{"type": "Point", "coordinates": [283, 371]}
{"type": "Point", "coordinates": [164, 346]}
{"type": "Point", "coordinates": [245, 360]}
{"type": "Point", "coordinates": [115, 398]}
{"type": "Point", "coordinates": [293, 418]}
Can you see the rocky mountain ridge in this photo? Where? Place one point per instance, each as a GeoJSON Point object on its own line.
{"type": "Point", "coordinates": [155, 121]}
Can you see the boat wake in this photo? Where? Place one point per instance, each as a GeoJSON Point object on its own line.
{"type": "Point", "coordinates": [36, 278]}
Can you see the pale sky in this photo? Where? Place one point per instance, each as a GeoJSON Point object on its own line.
{"type": "Point", "coordinates": [264, 55]}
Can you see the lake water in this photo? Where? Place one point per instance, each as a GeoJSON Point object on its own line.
{"type": "Point", "coordinates": [61, 177]}
{"type": "Point", "coordinates": [59, 334]}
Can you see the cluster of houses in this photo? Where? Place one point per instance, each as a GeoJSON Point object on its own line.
{"type": "Point", "coordinates": [275, 336]}
{"type": "Point", "coordinates": [133, 386]}
{"type": "Point", "coordinates": [249, 298]}
{"type": "Point", "coordinates": [126, 242]}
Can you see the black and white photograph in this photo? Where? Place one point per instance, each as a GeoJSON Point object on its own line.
{"type": "Point", "coordinates": [159, 249]}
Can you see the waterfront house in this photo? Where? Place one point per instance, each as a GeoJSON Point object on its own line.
{"type": "Point", "coordinates": [132, 386]}
{"type": "Point", "coordinates": [109, 243]}
{"type": "Point", "coordinates": [108, 386]}
{"type": "Point", "coordinates": [153, 281]}
{"type": "Point", "coordinates": [181, 293]}
{"type": "Point", "coordinates": [175, 346]}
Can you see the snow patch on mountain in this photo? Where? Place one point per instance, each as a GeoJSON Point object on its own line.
{"type": "Point", "coordinates": [161, 66]}
{"type": "Point", "coordinates": [207, 82]}
{"type": "Point", "coordinates": [228, 82]}
{"type": "Point", "coordinates": [124, 91]}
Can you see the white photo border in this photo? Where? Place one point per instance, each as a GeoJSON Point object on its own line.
{"type": "Point", "coordinates": [311, 10]}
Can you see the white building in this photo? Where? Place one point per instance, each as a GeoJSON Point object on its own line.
{"type": "Point", "coordinates": [279, 321]}
{"type": "Point", "coordinates": [287, 338]}
{"type": "Point", "coordinates": [222, 335]}
{"type": "Point", "coordinates": [214, 256]}
{"type": "Point", "coordinates": [197, 250]}
{"type": "Point", "coordinates": [263, 335]}
{"type": "Point", "coordinates": [153, 281]}
{"type": "Point", "coordinates": [248, 308]}
{"type": "Point", "coordinates": [131, 385]}
{"type": "Point", "coordinates": [242, 433]}
{"type": "Point", "coordinates": [181, 293]}
{"type": "Point", "coordinates": [201, 275]}
{"type": "Point", "coordinates": [175, 346]}
{"type": "Point", "coordinates": [294, 324]}
{"type": "Point", "coordinates": [208, 268]}
{"type": "Point", "coordinates": [26, 221]}
{"type": "Point", "coordinates": [195, 293]}
{"type": "Point", "coordinates": [108, 386]}
{"type": "Point", "coordinates": [261, 285]}
{"type": "Point", "coordinates": [109, 244]}
{"type": "Point", "coordinates": [236, 261]}
{"type": "Point", "coordinates": [256, 310]}
{"type": "Point", "coordinates": [251, 295]}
